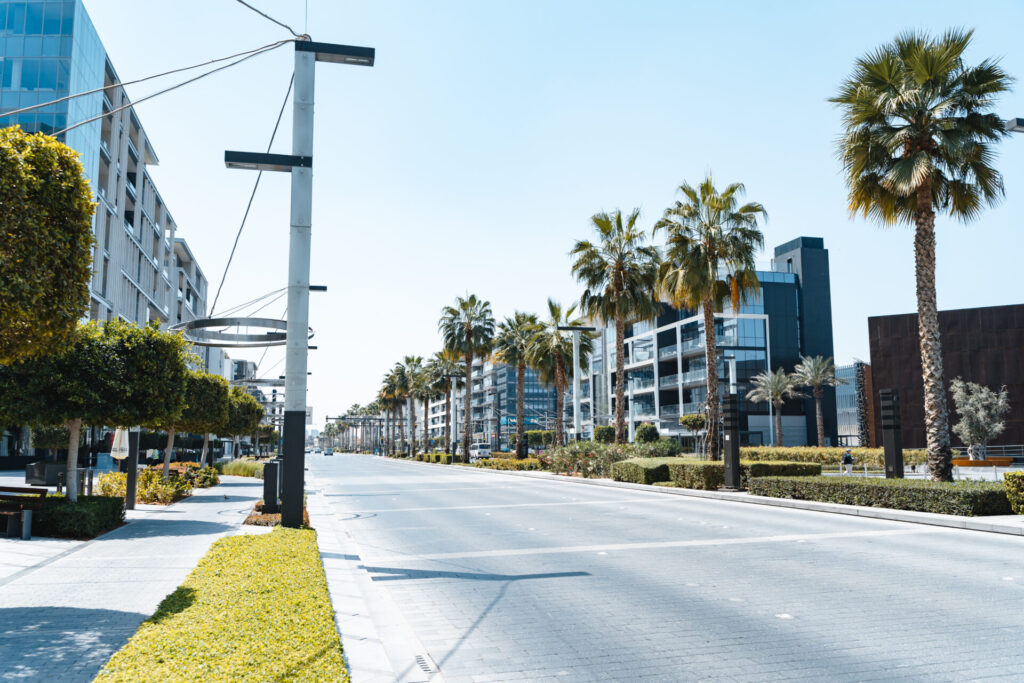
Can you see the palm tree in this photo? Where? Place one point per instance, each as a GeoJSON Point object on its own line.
{"type": "Point", "coordinates": [918, 139]}
{"type": "Point", "coordinates": [774, 387]}
{"type": "Point", "coordinates": [620, 274]}
{"type": "Point", "coordinates": [817, 372]}
{"type": "Point", "coordinates": [427, 388]}
{"type": "Point", "coordinates": [467, 328]}
{"type": "Point", "coordinates": [709, 257]}
{"type": "Point", "coordinates": [550, 353]}
{"type": "Point", "coordinates": [388, 396]}
{"type": "Point", "coordinates": [412, 369]}
{"type": "Point", "coordinates": [512, 346]}
{"type": "Point", "coordinates": [446, 367]}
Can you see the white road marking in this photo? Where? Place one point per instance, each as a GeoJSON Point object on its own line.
{"type": "Point", "coordinates": [493, 507]}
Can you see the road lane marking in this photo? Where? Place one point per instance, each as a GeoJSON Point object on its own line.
{"type": "Point", "coordinates": [505, 505]}
{"type": "Point", "coordinates": [657, 545]}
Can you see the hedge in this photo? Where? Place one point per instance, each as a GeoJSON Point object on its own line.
{"type": "Point", "coordinates": [241, 468]}
{"type": "Point", "coordinates": [1014, 484]}
{"type": "Point", "coordinates": [508, 464]}
{"type": "Point", "coordinates": [442, 458]}
{"type": "Point", "coordinates": [88, 518]}
{"type": "Point", "coordinates": [255, 608]}
{"type": "Point", "coordinates": [828, 456]}
{"type": "Point", "coordinates": [971, 498]}
{"type": "Point", "coordinates": [702, 474]}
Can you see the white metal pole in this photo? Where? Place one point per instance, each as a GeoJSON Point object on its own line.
{"type": "Point", "coordinates": [577, 421]}
{"type": "Point", "coordinates": [632, 428]}
{"type": "Point", "coordinates": [296, 346]}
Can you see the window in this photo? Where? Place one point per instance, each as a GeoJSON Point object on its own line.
{"type": "Point", "coordinates": [34, 18]}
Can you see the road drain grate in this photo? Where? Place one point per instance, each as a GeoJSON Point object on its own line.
{"type": "Point", "coordinates": [427, 664]}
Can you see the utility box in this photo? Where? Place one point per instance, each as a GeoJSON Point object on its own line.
{"type": "Point", "coordinates": [731, 442]}
{"type": "Point", "coordinates": [271, 488]}
{"type": "Point", "coordinates": [892, 433]}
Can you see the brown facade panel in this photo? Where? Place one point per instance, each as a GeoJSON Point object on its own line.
{"type": "Point", "coordinates": [981, 345]}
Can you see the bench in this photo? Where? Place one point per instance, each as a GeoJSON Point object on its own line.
{"type": "Point", "coordinates": [20, 502]}
{"type": "Point", "coordinates": [991, 461]}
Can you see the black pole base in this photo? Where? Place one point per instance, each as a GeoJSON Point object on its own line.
{"type": "Point", "coordinates": [293, 467]}
{"type": "Point", "coordinates": [132, 469]}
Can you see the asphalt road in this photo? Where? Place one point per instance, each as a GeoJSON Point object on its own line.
{"type": "Point", "coordinates": [507, 578]}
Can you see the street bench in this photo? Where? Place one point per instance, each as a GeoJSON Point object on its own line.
{"type": "Point", "coordinates": [20, 502]}
{"type": "Point", "coordinates": [991, 461]}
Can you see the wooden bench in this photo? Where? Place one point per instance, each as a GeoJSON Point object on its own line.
{"type": "Point", "coordinates": [20, 502]}
{"type": "Point", "coordinates": [991, 461]}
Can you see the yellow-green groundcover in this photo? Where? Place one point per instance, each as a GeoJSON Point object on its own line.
{"type": "Point", "coordinates": [255, 609]}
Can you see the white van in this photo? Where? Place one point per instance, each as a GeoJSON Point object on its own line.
{"type": "Point", "coordinates": [479, 451]}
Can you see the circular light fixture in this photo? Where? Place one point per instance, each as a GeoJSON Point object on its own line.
{"type": "Point", "coordinates": [200, 332]}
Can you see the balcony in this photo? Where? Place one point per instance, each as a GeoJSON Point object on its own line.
{"type": "Point", "coordinates": [668, 352]}
{"type": "Point", "coordinates": [132, 152]}
{"type": "Point", "coordinates": [105, 149]}
{"type": "Point", "coordinates": [641, 383]}
{"type": "Point", "coordinates": [670, 412]}
{"type": "Point", "coordinates": [669, 382]}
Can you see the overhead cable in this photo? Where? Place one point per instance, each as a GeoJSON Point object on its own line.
{"type": "Point", "coordinates": [270, 18]}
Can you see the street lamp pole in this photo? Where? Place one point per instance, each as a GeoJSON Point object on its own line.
{"type": "Point", "coordinates": [577, 420]}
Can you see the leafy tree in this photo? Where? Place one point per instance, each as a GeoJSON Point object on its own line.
{"type": "Point", "coordinates": [982, 412]}
{"type": "Point", "coordinates": [208, 398]}
{"type": "Point", "coordinates": [774, 387]}
{"type": "Point", "coordinates": [604, 433]}
{"type": "Point", "coordinates": [647, 433]}
{"type": "Point", "coordinates": [917, 140]}
{"type": "Point", "coordinates": [512, 346]}
{"type": "Point", "coordinates": [244, 415]}
{"type": "Point", "coordinates": [467, 328]}
{"type": "Point", "coordinates": [709, 258]}
{"type": "Point", "coordinates": [52, 437]}
{"type": "Point", "coordinates": [694, 423]}
{"type": "Point", "coordinates": [817, 372]}
{"type": "Point", "coordinates": [45, 244]}
{"type": "Point", "coordinates": [540, 437]}
{"type": "Point", "coordinates": [620, 273]}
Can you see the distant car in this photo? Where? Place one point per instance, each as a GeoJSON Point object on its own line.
{"type": "Point", "coordinates": [479, 451]}
{"type": "Point", "coordinates": [317, 450]}
{"type": "Point", "coordinates": [329, 451]}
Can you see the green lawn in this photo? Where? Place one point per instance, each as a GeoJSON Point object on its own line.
{"type": "Point", "coordinates": [256, 608]}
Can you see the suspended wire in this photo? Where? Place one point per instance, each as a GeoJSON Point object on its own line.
{"type": "Point", "coordinates": [252, 195]}
{"type": "Point", "coordinates": [273, 46]}
{"type": "Point", "coordinates": [253, 301]}
{"type": "Point", "coordinates": [146, 78]}
{"type": "Point", "coordinates": [270, 18]}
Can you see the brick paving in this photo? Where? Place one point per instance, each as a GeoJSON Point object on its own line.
{"type": "Point", "coordinates": [64, 615]}
{"type": "Point", "coordinates": [504, 578]}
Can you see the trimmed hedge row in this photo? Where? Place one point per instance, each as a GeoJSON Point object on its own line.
{"type": "Point", "coordinates": [508, 464]}
{"type": "Point", "coordinates": [442, 458]}
{"type": "Point", "coordinates": [828, 456]}
{"type": "Point", "coordinates": [256, 608]}
{"type": "Point", "coordinates": [702, 474]}
{"type": "Point", "coordinates": [970, 498]}
{"type": "Point", "coordinates": [1014, 484]}
{"type": "Point", "coordinates": [88, 518]}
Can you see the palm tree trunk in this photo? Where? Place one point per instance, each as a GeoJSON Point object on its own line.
{"type": "Point", "coordinates": [821, 419]}
{"type": "Point", "coordinates": [426, 422]}
{"type": "Point", "coordinates": [711, 361]}
{"type": "Point", "coordinates": [412, 426]}
{"type": "Point", "coordinates": [559, 399]}
{"type": "Point", "coordinates": [466, 425]}
{"type": "Point", "coordinates": [521, 444]}
{"type": "Point", "coordinates": [71, 472]}
{"type": "Point", "coordinates": [620, 380]}
{"type": "Point", "coordinates": [448, 418]}
{"type": "Point", "coordinates": [778, 423]}
{"type": "Point", "coordinates": [936, 415]}
{"type": "Point", "coordinates": [168, 449]}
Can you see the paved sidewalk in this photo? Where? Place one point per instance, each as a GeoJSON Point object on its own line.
{"type": "Point", "coordinates": [63, 616]}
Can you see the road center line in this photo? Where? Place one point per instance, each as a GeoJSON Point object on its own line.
{"type": "Point", "coordinates": [507, 505]}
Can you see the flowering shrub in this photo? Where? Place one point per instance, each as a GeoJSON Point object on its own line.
{"type": "Point", "coordinates": [150, 487]}
{"type": "Point", "coordinates": [508, 464]}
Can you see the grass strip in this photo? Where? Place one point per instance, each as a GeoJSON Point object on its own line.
{"type": "Point", "coordinates": [256, 608]}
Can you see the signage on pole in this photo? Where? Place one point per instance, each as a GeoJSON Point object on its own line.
{"type": "Point", "coordinates": [119, 447]}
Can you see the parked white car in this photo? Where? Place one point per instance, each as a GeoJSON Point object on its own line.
{"type": "Point", "coordinates": [479, 451]}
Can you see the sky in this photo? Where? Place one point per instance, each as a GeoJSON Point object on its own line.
{"type": "Point", "coordinates": [470, 158]}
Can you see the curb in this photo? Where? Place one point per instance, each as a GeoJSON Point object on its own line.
{"type": "Point", "coordinates": [997, 525]}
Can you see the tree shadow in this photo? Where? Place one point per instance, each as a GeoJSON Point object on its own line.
{"type": "Point", "coordinates": [401, 574]}
{"type": "Point", "coordinates": [175, 603]}
{"type": "Point", "coordinates": [153, 527]}
{"type": "Point", "coordinates": [49, 643]}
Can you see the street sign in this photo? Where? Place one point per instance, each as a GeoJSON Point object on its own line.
{"type": "Point", "coordinates": [119, 448]}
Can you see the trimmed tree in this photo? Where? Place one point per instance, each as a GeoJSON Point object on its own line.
{"type": "Point", "coordinates": [207, 398]}
{"type": "Point", "coordinates": [982, 415]}
{"type": "Point", "coordinates": [244, 415]}
{"type": "Point", "coordinates": [512, 346]}
{"type": "Point", "coordinates": [817, 372]}
{"type": "Point", "coordinates": [45, 244]}
{"type": "Point", "coordinates": [467, 328]}
{"type": "Point", "coordinates": [775, 388]}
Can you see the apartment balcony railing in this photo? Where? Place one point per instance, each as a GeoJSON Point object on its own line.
{"type": "Point", "coordinates": [668, 352]}
{"type": "Point", "coordinates": [640, 383]}
{"type": "Point", "coordinates": [668, 381]}
{"type": "Point", "coordinates": [670, 412]}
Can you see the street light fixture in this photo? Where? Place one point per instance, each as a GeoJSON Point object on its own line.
{"type": "Point", "coordinates": [1015, 125]}
{"type": "Point", "coordinates": [577, 420]}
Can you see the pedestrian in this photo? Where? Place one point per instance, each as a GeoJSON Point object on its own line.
{"type": "Point", "coordinates": [847, 462]}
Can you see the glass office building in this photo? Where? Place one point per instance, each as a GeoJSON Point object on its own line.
{"type": "Point", "coordinates": [666, 369]}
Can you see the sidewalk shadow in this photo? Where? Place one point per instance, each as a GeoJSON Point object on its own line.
{"type": "Point", "coordinates": [178, 601]}
{"type": "Point", "coordinates": [150, 528]}
{"type": "Point", "coordinates": [45, 643]}
{"type": "Point", "coordinates": [400, 574]}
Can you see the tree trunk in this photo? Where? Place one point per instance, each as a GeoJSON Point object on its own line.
{"type": "Point", "coordinates": [448, 418]}
{"type": "Point", "coordinates": [936, 415]}
{"type": "Point", "coordinates": [426, 423]}
{"type": "Point", "coordinates": [821, 419]}
{"type": "Point", "coordinates": [206, 445]}
{"type": "Point", "coordinates": [168, 450]}
{"type": "Point", "coordinates": [559, 399]}
{"type": "Point", "coordinates": [467, 424]}
{"type": "Point", "coordinates": [412, 425]}
{"type": "Point", "coordinates": [620, 380]}
{"type": "Point", "coordinates": [778, 423]}
{"type": "Point", "coordinates": [711, 361]}
{"type": "Point", "coordinates": [521, 445]}
{"type": "Point", "coordinates": [71, 471]}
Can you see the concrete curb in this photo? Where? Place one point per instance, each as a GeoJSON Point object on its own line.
{"type": "Point", "coordinates": [1012, 525]}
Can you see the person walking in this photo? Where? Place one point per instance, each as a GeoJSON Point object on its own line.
{"type": "Point", "coordinates": [847, 462]}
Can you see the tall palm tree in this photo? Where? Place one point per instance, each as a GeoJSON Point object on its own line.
{"type": "Point", "coordinates": [918, 139]}
{"type": "Point", "coordinates": [709, 257]}
{"type": "Point", "coordinates": [446, 368]}
{"type": "Point", "coordinates": [427, 388]}
{"type": "Point", "coordinates": [620, 273]}
{"type": "Point", "coordinates": [550, 353]}
{"type": "Point", "coordinates": [817, 372]}
{"type": "Point", "coordinates": [467, 328]}
{"type": "Point", "coordinates": [774, 387]}
{"type": "Point", "coordinates": [412, 371]}
{"type": "Point", "coordinates": [512, 346]}
{"type": "Point", "coordinates": [388, 395]}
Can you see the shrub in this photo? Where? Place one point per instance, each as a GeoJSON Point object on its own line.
{"type": "Point", "coordinates": [270, 584]}
{"type": "Point", "coordinates": [540, 437]}
{"type": "Point", "coordinates": [1013, 482]}
{"type": "Point", "coordinates": [647, 433]}
{"type": "Point", "coordinates": [970, 498]}
{"type": "Point", "coordinates": [206, 477]}
{"type": "Point", "coordinates": [828, 456]}
{"type": "Point", "coordinates": [595, 459]}
{"type": "Point", "coordinates": [642, 470]}
{"type": "Point", "coordinates": [114, 484]}
{"type": "Point", "coordinates": [604, 433]}
{"type": "Point", "coordinates": [241, 468]}
{"type": "Point", "coordinates": [151, 487]}
{"type": "Point", "coordinates": [710, 475]}
{"type": "Point", "coordinates": [508, 464]}
{"type": "Point", "coordinates": [88, 518]}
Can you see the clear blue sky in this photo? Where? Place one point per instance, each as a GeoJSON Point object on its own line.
{"type": "Point", "coordinates": [472, 155]}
